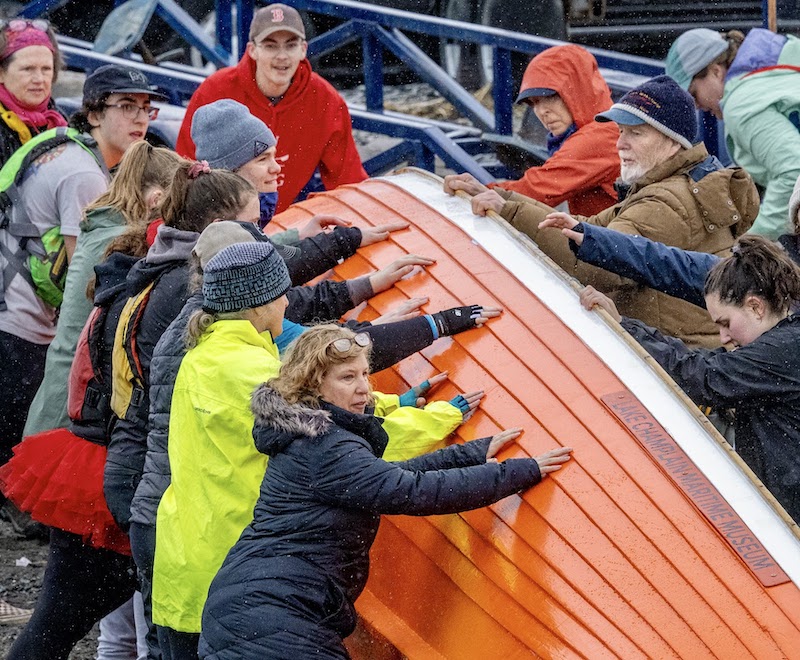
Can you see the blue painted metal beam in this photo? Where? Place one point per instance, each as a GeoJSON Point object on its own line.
{"type": "Point", "coordinates": [450, 29]}
{"type": "Point", "coordinates": [191, 31]}
{"type": "Point", "coordinates": [432, 137]}
{"type": "Point", "coordinates": [332, 39]}
{"type": "Point", "coordinates": [432, 73]}
{"type": "Point", "coordinates": [40, 7]}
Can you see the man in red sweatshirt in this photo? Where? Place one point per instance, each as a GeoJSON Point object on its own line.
{"type": "Point", "coordinates": [307, 115]}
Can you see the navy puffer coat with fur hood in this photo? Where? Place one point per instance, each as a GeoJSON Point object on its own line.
{"type": "Point", "coordinates": [287, 588]}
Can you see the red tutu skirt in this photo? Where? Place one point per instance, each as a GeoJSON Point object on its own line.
{"type": "Point", "coordinates": [57, 477]}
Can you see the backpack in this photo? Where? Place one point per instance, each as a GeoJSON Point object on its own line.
{"type": "Point", "coordinates": [88, 392]}
{"type": "Point", "coordinates": [128, 389]}
{"type": "Point", "coordinates": [41, 259]}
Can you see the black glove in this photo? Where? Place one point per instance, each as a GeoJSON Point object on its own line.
{"type": "Point", "coordinates": [457, 319]}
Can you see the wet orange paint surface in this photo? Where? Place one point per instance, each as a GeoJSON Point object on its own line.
{"type": "Point", "coordinates": [608, 558]}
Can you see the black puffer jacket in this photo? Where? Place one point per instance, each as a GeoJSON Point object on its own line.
{"type": "Point", "coordinates": [762, 381]}
{"type": "Point", "coordinates": [287, 587]}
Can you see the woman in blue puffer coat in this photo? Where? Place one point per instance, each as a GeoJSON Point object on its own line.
{"type": "Point", "coordinates": [287, 588]}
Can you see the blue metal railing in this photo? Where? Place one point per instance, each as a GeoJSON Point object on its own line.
{"type": "Point", "coordinates": [379, 29]}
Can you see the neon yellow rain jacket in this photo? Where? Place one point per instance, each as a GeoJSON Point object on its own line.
{"type": "Point", "coordinates": [217, 471]}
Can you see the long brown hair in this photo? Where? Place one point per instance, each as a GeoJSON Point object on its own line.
{"type": "Point", "coordinates": [142, 167]}
{"type": "Point", "coordinates": [193, 203]}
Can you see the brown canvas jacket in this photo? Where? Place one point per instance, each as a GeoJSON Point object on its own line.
{"type": "Point", "coordinates": [666, 205]}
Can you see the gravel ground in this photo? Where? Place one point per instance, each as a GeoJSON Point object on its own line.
{"type": "Point", "coordinates": [19, 585]}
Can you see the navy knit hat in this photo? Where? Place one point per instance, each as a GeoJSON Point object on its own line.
{"type": "Point", "coordinates": [228, 136]}
{"type": "Point", "coordinates": [244, 276]}
{"type": "Point", "coordinates": [661, 103]}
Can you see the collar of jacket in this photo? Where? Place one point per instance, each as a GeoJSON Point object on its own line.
{"type": "Point", "coordinates": [171, 245]}
{"type": "Point", "coordinates": [246, 74]}
{"type": "Point", "coordinates": [365, 426]}
{"type": "Point", "coordinates": [681, 162]}
{"type": "Point", "coordinates": [239, 331]}
{"type": "Point", "coordinates": [278, 422]}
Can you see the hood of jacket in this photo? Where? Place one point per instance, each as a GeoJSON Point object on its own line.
{"type": "Point", "coordinates": [111, 276]}
{"type": "Point", "coordinates": [278, 423]}
{"type": "Point", "coordinates": [246, 75]}
{"type": "Point", "coordinates": [725, 198]}
{"type": "Point", "coordinates": [172, 249]}
{"type": "Point", "coordinates": [572, 72]}
{"type": "Point", "coordinates": [102, 217]}
{"type": "Point", "coordinates": [761, 48]}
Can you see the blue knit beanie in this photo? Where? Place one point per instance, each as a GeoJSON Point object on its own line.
{"type": "Point", "coordinates": [228, 136]}
{"type": "Point", "coordinates": [244, 276]}
{"type": "Point", "coordinates": [661, 103]}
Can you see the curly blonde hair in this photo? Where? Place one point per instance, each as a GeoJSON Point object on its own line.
{"type": "Point", "coordinates": [309, 358]}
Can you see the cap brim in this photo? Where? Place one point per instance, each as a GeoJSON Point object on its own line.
{"type": "Point", "coordinates": [272, 30]}
{"type": "Point", "coordinates": [139, 90]}
{"type": "Point", "coordinates": [620, 117]}
{"type": "Point", "coordinates": [535, 92]}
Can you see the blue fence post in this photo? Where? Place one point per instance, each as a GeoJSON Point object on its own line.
{"type": "Point", "coordinates": [502, 92]}
{"type": "Point", "coordinates": [224, 26]}
{"type": "Point", "coordinates": [373, 71]}
{"type": "Point", "coordinates": [244, 16]}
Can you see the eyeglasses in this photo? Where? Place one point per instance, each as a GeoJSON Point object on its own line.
{"type": "Point", "coordinates": [131, 110]}
{"type": "Point", "coordinates": [271, 48]}
{"type": "Point", "coordinates": [344, 344]}
{"type": "Point", "coordinates": [20, 24]}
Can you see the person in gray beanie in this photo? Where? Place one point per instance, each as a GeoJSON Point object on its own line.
{"type": "Point", "coordinates": [210, 498]}
{"type": "Point", "coordinates": [674, 192]}
{"type": "Point", "coordinates": [244, 276]}
{"type": "Point", "coordinates": [229, 137]}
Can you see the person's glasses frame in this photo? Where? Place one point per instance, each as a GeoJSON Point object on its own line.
{"type": "Point", "coordinates": [344, 344]}
{"type": "Point", "coordinates": [131, 110]}
{"type": "Point", "coordinates": [274, 49]}
{"type": "Point", "coordinates": [20, 24]}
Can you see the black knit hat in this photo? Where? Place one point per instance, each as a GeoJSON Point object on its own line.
{"type": "Point", "coordinates": [244, 276]}
{"type": "Point", "coordinates": [661, 103]}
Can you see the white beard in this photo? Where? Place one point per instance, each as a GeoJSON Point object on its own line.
{"type": "Point", "coordinates": [631, 173]}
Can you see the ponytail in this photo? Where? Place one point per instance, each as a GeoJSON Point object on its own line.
{"type": "Point", "coordinates": [198, 196]}
{"type": "Point", "coordinates": [757, 267]}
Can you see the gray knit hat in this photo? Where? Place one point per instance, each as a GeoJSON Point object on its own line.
{"type": "Point", "coordinates": [222, 233]}
{"type": "Point", "coordinates": [692, 52]}
{"type": "Point", "coordinates": [228, 136]}
{"type": "Point", "coordinates": [244, 276]}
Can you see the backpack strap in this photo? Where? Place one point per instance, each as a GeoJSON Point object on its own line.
{"type": "Point", "coordinates": [128, 381]}
{"type": "Point", "coordinates": [14, 217]}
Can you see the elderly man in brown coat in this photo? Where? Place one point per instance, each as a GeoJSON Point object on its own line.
{"type": "Point", "coordinates": [672, 192]}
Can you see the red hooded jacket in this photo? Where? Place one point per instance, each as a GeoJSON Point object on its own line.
{"type": "Point", "coordinates": [311, 123]}
{"type": "Point", "coordinates": [583, 171]}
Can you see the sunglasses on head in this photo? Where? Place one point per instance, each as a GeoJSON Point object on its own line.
{"type": "Point", "coordinates": [20, 24]}
{"type": "Point", "coordinates": [344, 344]}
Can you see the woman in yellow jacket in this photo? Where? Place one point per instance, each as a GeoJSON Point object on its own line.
{"type": "Point", "coordinates": [216, 469]}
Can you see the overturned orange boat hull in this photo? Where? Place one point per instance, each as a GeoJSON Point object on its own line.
{"type": "Point", "coordinates": [654, 541]}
